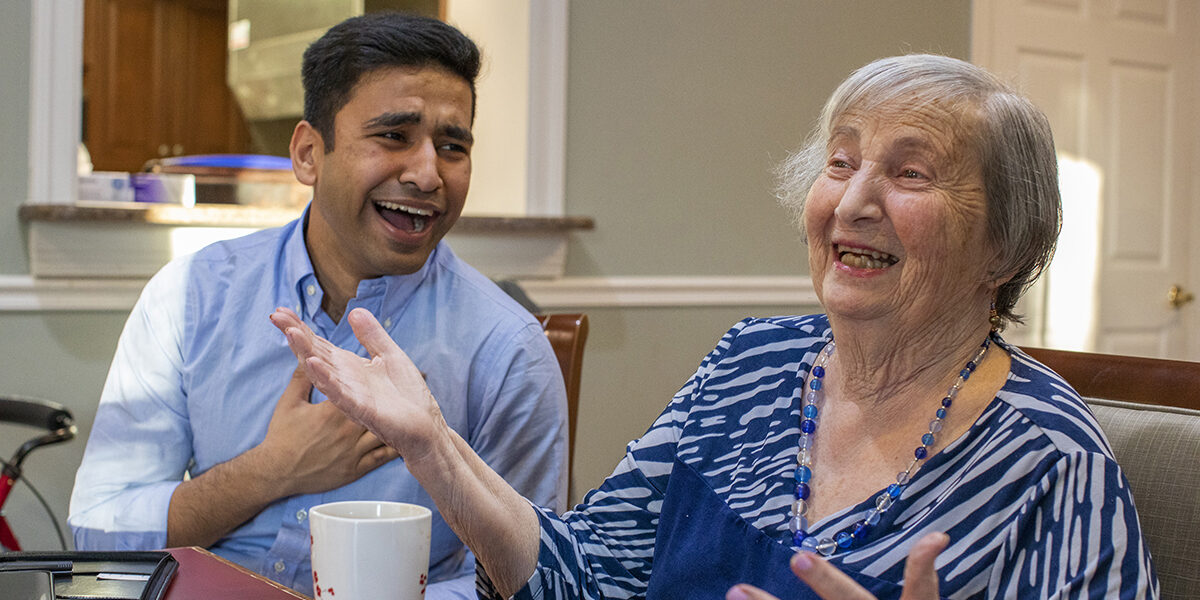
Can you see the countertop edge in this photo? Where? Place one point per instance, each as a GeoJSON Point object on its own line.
{"type": "Point", "coordinates": [235, 215]}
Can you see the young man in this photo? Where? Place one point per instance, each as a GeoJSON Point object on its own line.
{"type": "Point", "coordinates": [202, 382]}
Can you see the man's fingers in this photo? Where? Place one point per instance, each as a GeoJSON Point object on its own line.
{"type": "Point", "coordinates": [825, 579]}
{"type": "Point", "coordinates": [376, 458]}
{"type": "Point", "coordinates": [920, 571]}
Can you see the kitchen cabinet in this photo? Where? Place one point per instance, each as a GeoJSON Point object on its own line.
{"type": "Point", "coordinates": [154, 82]}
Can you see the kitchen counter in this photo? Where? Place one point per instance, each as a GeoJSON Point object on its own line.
{"type": "Point", "coordinates": [90, 240]}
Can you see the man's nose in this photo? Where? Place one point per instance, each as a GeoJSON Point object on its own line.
{"type": "Point", "coordinates": [420, 168]}
{"type": "Point", "coordinates": [862, 198]}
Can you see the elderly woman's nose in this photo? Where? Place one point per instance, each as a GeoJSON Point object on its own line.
{"type": "Point", "coordinates": [862, 198]}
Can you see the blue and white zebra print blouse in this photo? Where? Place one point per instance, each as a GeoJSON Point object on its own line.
{"type": "Point", "coordinates": [1031, 497]}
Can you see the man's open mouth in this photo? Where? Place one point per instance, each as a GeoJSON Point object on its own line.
{"type": "Point", "coordinates": [404, 218]}
{"type": "Point", "coordinates": [863, 258]}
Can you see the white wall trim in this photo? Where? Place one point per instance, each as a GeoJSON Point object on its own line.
{"type": "Point", "coordinates": [55, 87]}
{"type": "Point", "coordinates": [546, 139]}
{"type": "Point", "coordinates": [620, 292]}
{"type": "Point", "coordinates": [24, 293]}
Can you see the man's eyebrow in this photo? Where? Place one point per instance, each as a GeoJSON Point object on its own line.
{"type": "Point", "coordinates": [399, 119]}
{"type": "Point", "coordinates": [461, 134]}
{"type": "Point", "coordinates": [394, 119]}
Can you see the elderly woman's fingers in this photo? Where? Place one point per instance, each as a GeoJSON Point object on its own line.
{"type": "Point", "coordinates": [920, 571]}
{"type": "Point", "coordinates": [825, 579]}
{"type": "Point", "coordinates": [744, 591]}
{"type": "Point", "coordinates": [370, 333]}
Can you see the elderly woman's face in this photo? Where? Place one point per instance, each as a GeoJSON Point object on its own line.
{"type": "Point", "coordinates": [896, 221]}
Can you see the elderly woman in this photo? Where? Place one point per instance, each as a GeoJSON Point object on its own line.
{"type": "Point", "coordinates": [896, 444]}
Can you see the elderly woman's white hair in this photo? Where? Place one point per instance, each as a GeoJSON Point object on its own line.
{"type": "Point", "coordinates": [1012, 141]}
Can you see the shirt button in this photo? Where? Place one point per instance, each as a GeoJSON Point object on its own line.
{"type": "Point", "coordinates": [311, 289]}
{"type": "Point", "coordinates": [279, 566]}
{"type": "Point", "coordinates": [387, 322]}
{"type": "Point", "coordinates": [301, 515]}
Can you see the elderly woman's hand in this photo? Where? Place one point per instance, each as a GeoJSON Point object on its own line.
{"type": "Point", "coordinates": [386, 393]}
{"type": "Point", "coordinates": [920, 575]}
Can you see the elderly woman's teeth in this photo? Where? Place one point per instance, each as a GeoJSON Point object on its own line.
{"type": "Point", "coordinates": [865, 259]}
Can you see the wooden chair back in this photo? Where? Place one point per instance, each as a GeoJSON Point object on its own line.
{"type": "Point", "coordinates": [1127, 378]}
{"type": "Point", "coordinates": [568, 333]}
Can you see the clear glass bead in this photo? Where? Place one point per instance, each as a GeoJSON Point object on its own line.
{"type": "Point", "coordinates": [935, 426]}
{"type": "Point", "coordinates": [826, 547]}
{"type": "Point", "coordinates": [809, 543]}
{"type": "Point", "coordinates": [797, 524]}
{"type": "Point", "coordinates": [805, 442]}
{"type": "Point", "coordinates": [872, 517]}
{"type": "Point", "coordinates": [902, 478]}
{"type": "Point", "coordinates": [804, 457]}
{"type": "Point", "coordinates": [883, 502]}
{"type": "Point", "coordinates": [799, 508]}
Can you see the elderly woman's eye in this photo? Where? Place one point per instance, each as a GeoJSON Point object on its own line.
{"type": "Point", "coordinates": [911, 174]}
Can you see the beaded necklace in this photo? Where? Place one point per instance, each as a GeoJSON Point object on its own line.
{"type": "Point", "coordinates": [811, 406]}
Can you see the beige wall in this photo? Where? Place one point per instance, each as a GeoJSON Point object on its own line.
{"type": "Point", "coordinates": [677, 109]}
{"type": "Point", "coordinates": [676, 112]}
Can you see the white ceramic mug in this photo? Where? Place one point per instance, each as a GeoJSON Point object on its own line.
{"type": "Point", "coordinates": [369, 549]}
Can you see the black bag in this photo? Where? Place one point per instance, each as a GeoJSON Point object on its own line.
{"type": "Point", "coordinates": [81, 575]}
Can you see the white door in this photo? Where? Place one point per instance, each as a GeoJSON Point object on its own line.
{"type": "Point", "coordinates": [1120, 82]}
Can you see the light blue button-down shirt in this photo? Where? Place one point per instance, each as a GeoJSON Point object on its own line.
{"type": "Point", "coordinates": [199, 369]}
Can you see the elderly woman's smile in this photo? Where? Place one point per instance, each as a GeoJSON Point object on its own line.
{"type": "Point", "coordinates": [862, 258]}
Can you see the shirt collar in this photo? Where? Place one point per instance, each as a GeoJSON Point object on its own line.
{"type": "Point", "coordinates": [380, 295]}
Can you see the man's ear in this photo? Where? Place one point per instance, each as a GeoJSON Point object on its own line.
{"type": "Point", "coordinates": [307, 150]}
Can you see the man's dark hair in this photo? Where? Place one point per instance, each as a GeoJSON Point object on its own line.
{"type": "Point", "coordinates": [336, 62]}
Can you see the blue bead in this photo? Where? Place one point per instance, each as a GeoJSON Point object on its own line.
{"type": "Point", "coordinates": [844, 540]}
{"type": "Point", "coordinates": [803, 474]}
{"type": "Point", "coordinates": [927, 439]}
{"type": "Point", "coordinates": [808, 426]}
{"type": "Point", "coordinates": [802, 491]}
{"type": "Point", "coordinates": [965, 374]}
{"type": "Point", "coordinates": [895, 490]}
{"type": "Point", "coordinates": [861, 529]}
{"type": "Point", "coordinates": [920, 452]}
{"type": "Point", "coordinates": [941, 413]}
{"type": "Point", "coordinates": [815, 384]}
{"type": "Point", "coordinates": [947, 402]}
{"type": "Point", "coordinates": [810, 411]}
{"type": "Point", "coordinates": [818, 371]}
{"type": "Point", "coordinates": [798, 537]}
{"type": "Point", "coordinates": [971, 366]}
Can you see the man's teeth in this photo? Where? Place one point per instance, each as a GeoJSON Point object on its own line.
{"type": "Point", "coordinates": [420, 216]}
{"type": "Point", "coordinates": [402, 208]}
{"type": "Point", "coordinates": [865, 259]}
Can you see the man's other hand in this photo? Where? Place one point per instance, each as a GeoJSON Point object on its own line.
{"type": "Point", "coordinates": [312, 448]}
